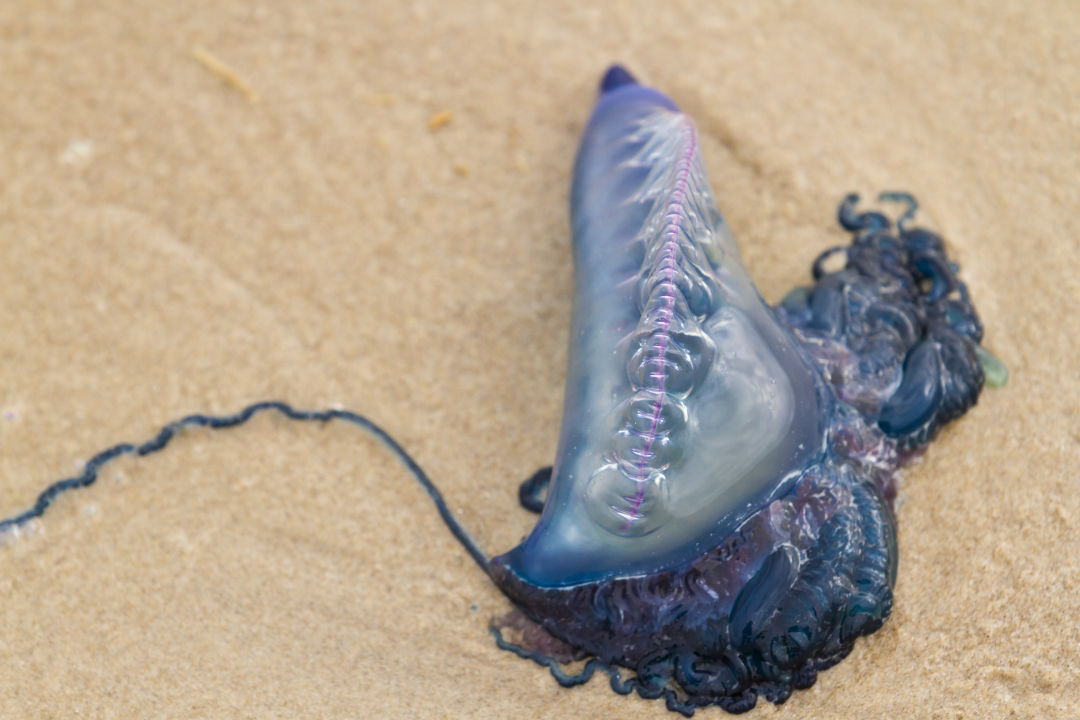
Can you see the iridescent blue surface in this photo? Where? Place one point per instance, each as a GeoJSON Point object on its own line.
{"type": "Point", "coordinates": [687, 405]}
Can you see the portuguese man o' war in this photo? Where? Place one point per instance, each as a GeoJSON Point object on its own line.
{"type": "Point", "coordinates": [719, 515]}
{"type": "Point", "coordinates": [718, 523]}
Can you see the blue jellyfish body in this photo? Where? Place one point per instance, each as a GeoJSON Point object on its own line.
{"type": "Point", "coordinates": [719, 518]}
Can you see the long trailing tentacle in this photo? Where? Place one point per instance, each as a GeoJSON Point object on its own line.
{"type": "Point", "coordinates": [93, 468]}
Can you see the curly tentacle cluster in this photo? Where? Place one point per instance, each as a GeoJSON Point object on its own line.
{"type": "Point", "coordinates": [894, 331]}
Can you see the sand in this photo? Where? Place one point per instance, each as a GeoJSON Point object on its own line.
{"type": "Point", "coordinates": [364, 204]}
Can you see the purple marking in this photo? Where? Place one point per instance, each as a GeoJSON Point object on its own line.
{"type": "Point", "coordinates": [670, 238]}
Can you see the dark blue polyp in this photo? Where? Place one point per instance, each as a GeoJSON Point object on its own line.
{"type": "Point", "coordinates": [616, 76]}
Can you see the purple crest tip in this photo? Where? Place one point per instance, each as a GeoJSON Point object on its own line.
{"type": "Point", "coordinates": [615, 77]}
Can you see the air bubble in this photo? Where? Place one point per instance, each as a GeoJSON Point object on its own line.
{"type": "Point", "coordinates": [671, 362]}
{"type": "Point", "coordinates": [624, 506]}
{"type": "Point", "coordinates": [639, 452]}
{"type": "Point", "coordinates": [649, 410]}
{"type": "Point", "coordinates": [698, 289]}
{"type": "Point", "coordinates": [661, 364]}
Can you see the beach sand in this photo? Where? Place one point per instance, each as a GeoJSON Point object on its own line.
{"type": "Point", "coordinates": [364, 205]}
